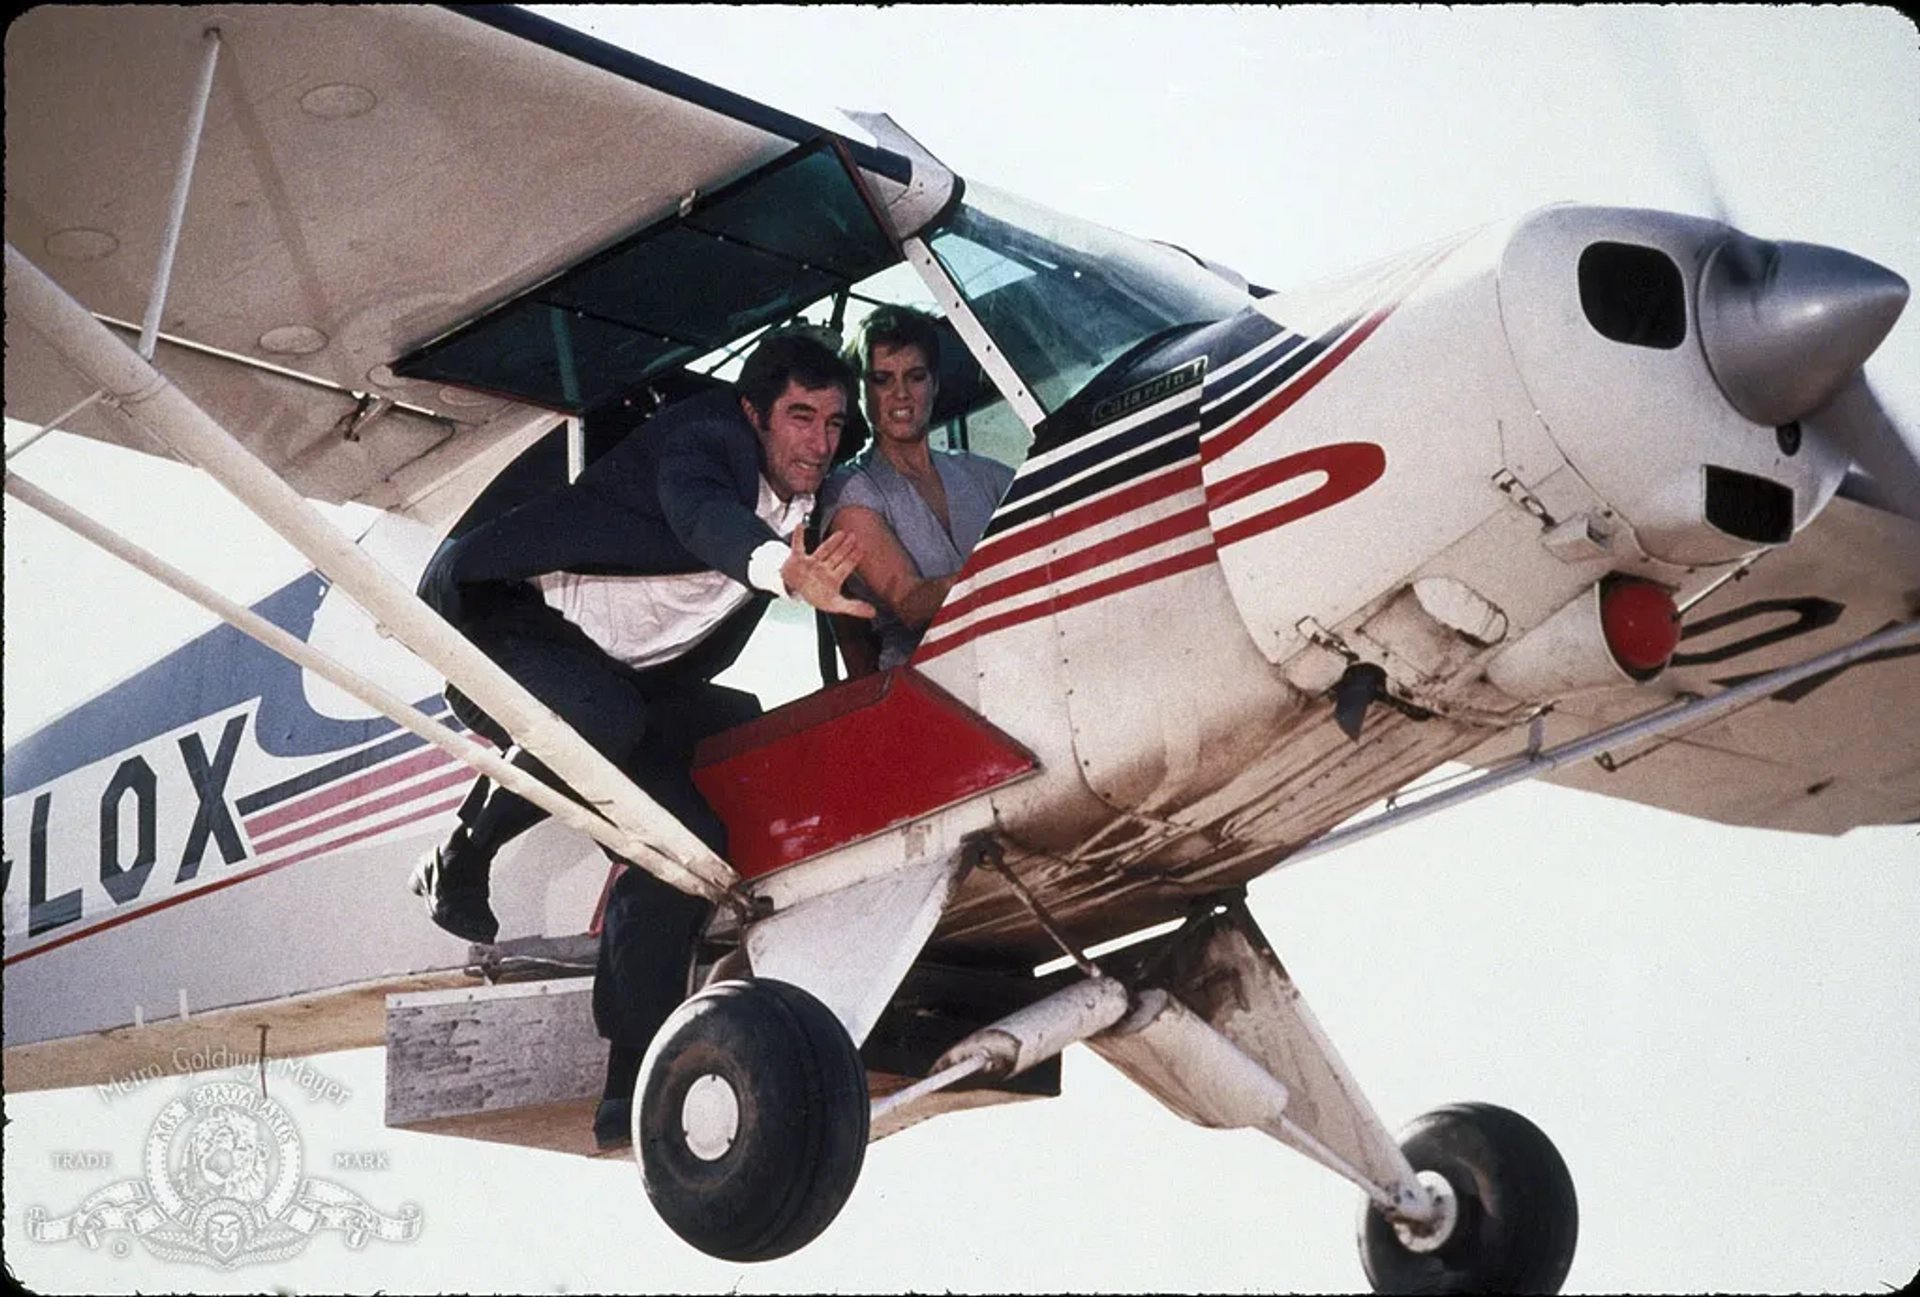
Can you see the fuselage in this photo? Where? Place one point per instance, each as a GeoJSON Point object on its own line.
{"type": "Point", "coordinates": [1415, 468]}
{"type": "Point", "coordinates": [1429, 467]}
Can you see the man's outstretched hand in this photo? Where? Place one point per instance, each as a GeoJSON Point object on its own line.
{"type": "Point", "coordinates": [816, 578]}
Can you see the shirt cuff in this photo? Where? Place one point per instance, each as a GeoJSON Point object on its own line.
{"type": "Point", "coordinates": [763, 567]}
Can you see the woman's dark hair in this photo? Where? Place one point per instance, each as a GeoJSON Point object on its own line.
{"type": "Point", "coordinates": [894, 326]}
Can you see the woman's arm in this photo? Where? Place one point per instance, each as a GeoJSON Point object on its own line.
{"type": "Point", "coordinates": [887, 569]}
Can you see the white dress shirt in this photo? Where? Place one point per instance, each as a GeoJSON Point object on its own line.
{"type": "Point", "coordinates": [644, 621]}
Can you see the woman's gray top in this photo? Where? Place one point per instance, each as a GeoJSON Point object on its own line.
{"type": "Point", "coordinates": [974, 485]}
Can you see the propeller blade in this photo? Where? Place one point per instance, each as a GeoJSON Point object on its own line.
{"type": "Point", "coordinates": [1855, 421]}
{"type": "Point", "coordinates": [1654, 79]}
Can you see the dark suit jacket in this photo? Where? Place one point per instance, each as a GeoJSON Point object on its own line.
{"type": "Point", "coordinates": [676, 496]}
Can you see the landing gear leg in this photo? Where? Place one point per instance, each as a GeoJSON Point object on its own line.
{"type": "Point", "coordinates": [1473, 1198]}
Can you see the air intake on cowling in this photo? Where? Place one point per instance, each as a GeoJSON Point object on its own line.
{"type": "Point", "coordinates": [1749, 507]}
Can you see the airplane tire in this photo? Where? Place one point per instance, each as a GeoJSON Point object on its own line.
{"type": "Point", "coordinates": [1518, 1217]}
{"type": "Point", "coordinates": [752, 1121]}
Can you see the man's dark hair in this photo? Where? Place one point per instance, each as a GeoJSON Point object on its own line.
{"type": "Point", "coordinates": [791, 356]}
{"type": "Point", "coordinates": [895, 326]}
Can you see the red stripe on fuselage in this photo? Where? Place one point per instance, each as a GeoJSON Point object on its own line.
{"type": "Point", "coordinates": [1261, 415]}
{"type": "Point", "coordinates": [1155, 571]}
{"type": "Point", "coordinates": [996, 550]}
{"type": "Point", "coordinates": [1277, 404]}
{"type": "Point", "coordinates": [1351, 467]}
{"type": "Point", "coordinates": [412, 792]}
{"type": "Point", "coordinates": [1107, 551]}
{"type": "Point", "coordinates": [358, 786]}
{"type": "Point", "coordinates": [1182, 477]}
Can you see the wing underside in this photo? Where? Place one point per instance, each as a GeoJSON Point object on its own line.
{"type": "Point", "coordinates": [1825, 755]}
{"type": "Point", "coordinates": [369, 181]}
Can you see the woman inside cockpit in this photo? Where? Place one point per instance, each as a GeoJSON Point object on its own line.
{"type": "Point", "coordinates": [918, 512]}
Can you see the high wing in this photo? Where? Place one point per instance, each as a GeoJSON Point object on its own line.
{"type": "Point", "coordinates": [367, 180]}
{"type": "Point", "coordinates": [381, 200]}
{"type": "Point", "coordinates": [1824, 755]}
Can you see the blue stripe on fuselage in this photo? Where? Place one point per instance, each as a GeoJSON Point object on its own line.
{"type": "Point", "coordinates": [321, 776]}
{"type": "Point", "coordinates": [204, 677]}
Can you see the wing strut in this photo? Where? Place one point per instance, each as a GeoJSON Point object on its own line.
{"type": "Point", "coordinates": [177, 210]}
{"type": "Point", "coordinates": [641, 830]}
{"type": "Point", "coordinates": [482, 758]}
{"type": "Point", "coordinates": [1651, 725]}
{"type": "Point", "coordinates": [169, 242]}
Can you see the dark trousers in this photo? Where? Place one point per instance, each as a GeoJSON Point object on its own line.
{"type": "Point", "coordinates": [647, 722]}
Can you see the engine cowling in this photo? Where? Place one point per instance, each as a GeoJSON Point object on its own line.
{"type": "Point", "coordinates": [1671, 359]}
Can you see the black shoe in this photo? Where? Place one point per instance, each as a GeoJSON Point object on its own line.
{"type": "Point", "coordinates": [613, 1124]}
{"type": "Point", "coordinates": [457, 907]}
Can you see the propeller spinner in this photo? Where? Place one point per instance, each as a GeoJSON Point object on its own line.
{"type": "Point", "coordinates": [1785, 325]}
{"type": "Point", "coordinates": [1786, 328]}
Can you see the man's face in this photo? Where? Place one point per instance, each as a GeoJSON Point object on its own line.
{"type": "Point", "coordinates": [798, 436]}
{"type": "Point", "coordinates": [900, 391]}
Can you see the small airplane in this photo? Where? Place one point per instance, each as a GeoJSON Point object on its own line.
{"type": "Point", "coordinates": [1598, 495]}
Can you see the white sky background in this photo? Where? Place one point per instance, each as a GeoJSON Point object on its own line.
{"type": "Point", "coordinates": [1717, 1027]}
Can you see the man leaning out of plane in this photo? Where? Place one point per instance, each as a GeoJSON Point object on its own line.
{"type": "Point", "coordinates": [615, 600]}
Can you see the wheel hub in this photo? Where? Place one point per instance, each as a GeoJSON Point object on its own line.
{"type": "Point", "coordinates": [1431, 1235]}
{"type": "Point", "coordinates": [710, 1117]}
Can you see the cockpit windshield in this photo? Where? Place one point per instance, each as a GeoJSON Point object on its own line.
{"type": "Point", "coordinates": [1063, 298]}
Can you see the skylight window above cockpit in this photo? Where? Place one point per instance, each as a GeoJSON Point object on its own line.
{"type": "Point", "coordinates": [751, 255]}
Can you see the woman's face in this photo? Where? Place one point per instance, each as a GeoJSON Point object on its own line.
{"type": "Point", "coordinates": [899, 388]}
